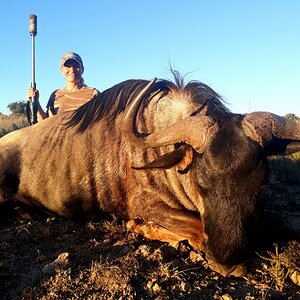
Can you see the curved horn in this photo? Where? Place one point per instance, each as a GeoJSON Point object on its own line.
{"type": "Point", "coordinates": [132, 110]}
{"type": "Point", "coordinates": [195, 131]}
{"type": "Point", "coordinates": [265, 127]}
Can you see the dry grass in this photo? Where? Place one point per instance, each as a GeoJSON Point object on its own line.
{"type": "Point", "coordinates": [12, 122]}
{"type": "Point", "coordinates": [276, 268]}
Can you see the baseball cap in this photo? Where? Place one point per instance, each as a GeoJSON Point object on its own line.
{"type": "Point", "coordinates": [73, 56]}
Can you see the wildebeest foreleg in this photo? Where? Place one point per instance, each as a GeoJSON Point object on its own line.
{"type": "Point", "coordinates": [164, 223]}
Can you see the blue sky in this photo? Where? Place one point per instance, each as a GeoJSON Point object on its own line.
{"type": "Point", "coordinates": [247, 51]}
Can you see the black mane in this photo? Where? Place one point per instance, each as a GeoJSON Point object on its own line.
{"type": "Point", "coordinates": [114, 100]}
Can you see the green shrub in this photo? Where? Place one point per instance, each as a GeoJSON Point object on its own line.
{"type": "Point", "coordinates": [17, 107]}
{"type": "Point", "coordinates": [286, 169]}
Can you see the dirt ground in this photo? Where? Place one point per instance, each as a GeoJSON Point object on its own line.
{"type": "Point", "coordinates": [48, 257]}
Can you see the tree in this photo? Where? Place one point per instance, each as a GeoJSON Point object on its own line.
{"type": "Point", "coordinates": [17, 107]}
{"type": "Point", "coordinates": [292, 117]}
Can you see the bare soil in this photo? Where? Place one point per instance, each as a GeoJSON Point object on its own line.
{"type": "Point", "coordinates": [48, 257]}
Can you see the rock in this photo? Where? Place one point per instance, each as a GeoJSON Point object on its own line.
{"type": "Point", "coordinates": [61, 263]}
{"type": "Point", "coordinates": [226, 297]}
{"type": "Point", "coordinates": [107, 241]}
{"type": "Point", "coordinates": [144, 250]}
{"type": "Point", "coordinates": [185, 286]}
{"type": "Point", "coordinates": [156, 288]}
{"type": "Point", "coordinates": [222, 297]}
{"type": "Point", "coordinates": [196, 257]}
{"type": "Point", "coordinates": [295, 277]}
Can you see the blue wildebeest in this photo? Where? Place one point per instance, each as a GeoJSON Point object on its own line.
{"type": "Point", "coordinates": [169, 158]}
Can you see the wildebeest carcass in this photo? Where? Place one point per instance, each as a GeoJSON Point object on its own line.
{"type": "Point", "coordinates": [169, 158]}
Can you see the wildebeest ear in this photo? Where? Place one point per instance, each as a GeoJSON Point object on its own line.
{"type": "Point", "coordinates": [270, 130]}
{"type": "Point", "coordinates": [181, 158]}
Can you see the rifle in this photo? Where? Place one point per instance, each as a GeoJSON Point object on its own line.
{"type": "Point", "coordinates": [32, 104]}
